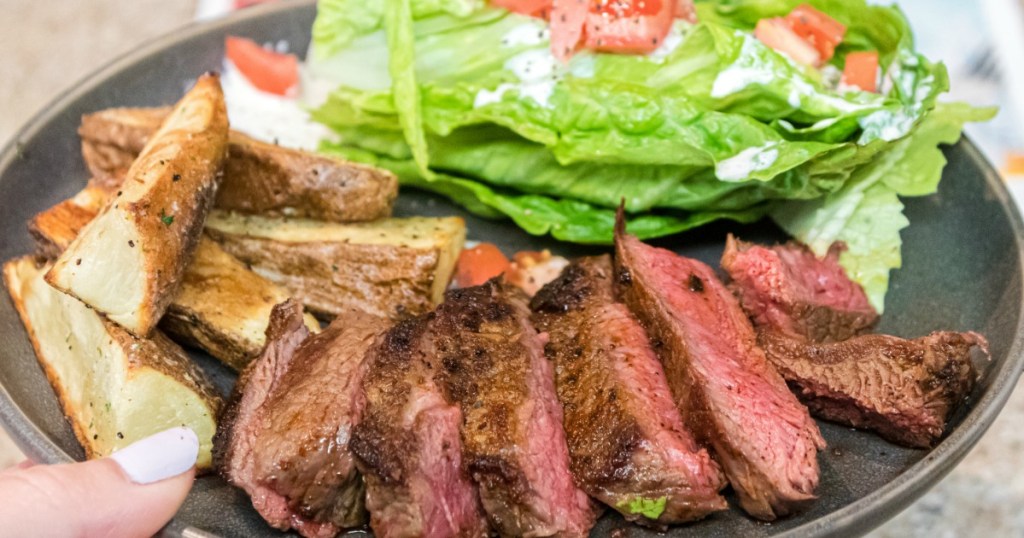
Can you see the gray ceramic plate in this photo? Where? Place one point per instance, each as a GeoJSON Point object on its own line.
{"type": "Point", "coordinates": [962, 270]}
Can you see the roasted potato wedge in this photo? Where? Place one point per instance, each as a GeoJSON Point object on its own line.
{"type": "Point", "coordinates": [55, 228]}
{"type": "Point", "coordinates": [114, 388]}
{"type": "Point", "coordinates": [128, 262]}
{"type": "Point", "coordinates": [259, 178]}
{"type": "Point", "coordinates": [221, 306]}
{"type": "Point", "coordinates": [393, 268]}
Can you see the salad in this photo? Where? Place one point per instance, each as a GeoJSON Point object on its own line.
{"type": "Point", "coordinates": [819, 115]}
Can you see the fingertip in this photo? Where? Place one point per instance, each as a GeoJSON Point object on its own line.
{"type": "Point", "coordinates": [160, 456]}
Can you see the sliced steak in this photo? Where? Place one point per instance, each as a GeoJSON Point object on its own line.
{"type": "Point", "coordinates": [728, 393]}
{"type": "Point", "coordinates": [905, 390]}
{"type": "Point", "coordinates": [285, 437]}
{"type": "Point", "coordinates": [788, 288]}
{"type": "Point", "coordinates": [491, 362]}
{"type": "Point", "coordinates": [627, 444]}
{"type": "Point", "coordinates": [408, 446]}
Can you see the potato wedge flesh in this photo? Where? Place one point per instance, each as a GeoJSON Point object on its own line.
{"type": "Point", "coordinates": [115, 388]}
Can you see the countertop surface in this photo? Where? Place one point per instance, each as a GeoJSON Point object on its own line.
{"type": "Point", "coordinates": [48, 47]}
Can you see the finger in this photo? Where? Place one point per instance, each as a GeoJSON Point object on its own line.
{"type": "Point", "coordinates": [24, 464]}
{"type": "Point", "coordinates": [135, 492]}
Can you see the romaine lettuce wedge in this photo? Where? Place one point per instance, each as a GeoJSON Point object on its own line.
{"type": "Point", "coordinates": [713, 125]}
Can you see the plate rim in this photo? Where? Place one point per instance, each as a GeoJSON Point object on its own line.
{"type": "Point", "coordinates": [856, 518]}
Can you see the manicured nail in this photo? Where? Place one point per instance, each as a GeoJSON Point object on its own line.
{"type": "Point", "coordinates": [159, 456]}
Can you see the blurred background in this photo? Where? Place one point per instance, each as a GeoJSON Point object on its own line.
{"type": "Point", "coordinates": [50, 46]}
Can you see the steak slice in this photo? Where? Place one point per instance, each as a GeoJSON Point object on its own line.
{"type": "Point", "coordinates": [491, 362]}
{"type": "Point", "coordinates": [788, 288]}
{"type": "Point", "coordinates": [905, 390]}
{"type": "Point", "coordinates": [627, 444]}
{"type": "Point", "coordinates": [728, 393]}
{"type": "Point", "coordinates": [285, 437]}
{"type": "Point", "coordinates": [408, 445]}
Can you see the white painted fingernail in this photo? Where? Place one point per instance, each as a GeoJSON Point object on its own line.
{"type": "Point", "coordinates": [159, 456]}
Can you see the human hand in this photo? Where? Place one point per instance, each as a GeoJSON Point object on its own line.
{"type": "Point", "coordinates": [134, 492]}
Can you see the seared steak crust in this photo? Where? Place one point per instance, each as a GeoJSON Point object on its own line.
{"type": "Point", "coordinates": [627, 444]}
{"type": "Point", "coordinates": [491, 362]}
{"type": "Point", "coordinates": [408, 445]}
{"type": "Point", "coordinates": [903, 389]}
{"type": "Point", "coordinates": [788, 288]}
{"type": "Point", "coordinates": [728, 393]}
{"type": "Point", "coordinates": [285, 438]}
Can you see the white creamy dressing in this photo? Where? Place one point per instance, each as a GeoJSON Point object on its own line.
{"type": "Point", "coordinates": [740, 75]}
{"type": "Point", "coordinates": [671, 42]}
{"type": "Point", "coordinates": [740, 166]}
{"type": "Point", "coordinates": [528, 34]}
{"type": "Point", "coordinates": [537, 70]}
{"type": "Point", "coordinates": [266, 116]}
{"type": "Point", "coordinates": [747, 71]}
{"type": "Point", "coordinates": [887, 125]}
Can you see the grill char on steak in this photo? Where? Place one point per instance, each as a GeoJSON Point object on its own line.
{"type": "Point", "coordinates": [728, 393]}
{"type": "Point", "coordinates": [492, 364]}
{"type": "Point", "coordinates": [627, 444]}
{"type": "Point", "coordinates": [284, 438]}
{"type": "Point", "coordinates": [788, 288]}
{"type": "Point", "coordinates": [903, 389]}
{"type": "Point", "coordinates": [408, 446]}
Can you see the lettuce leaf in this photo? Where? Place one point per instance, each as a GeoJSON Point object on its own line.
{"type": "Point", "coordinates": [339, 22]}
{"type": "Point", "coordinates": [405, 92]}
{"type": "Point", "coordinates": [563, 218]}
{"type": "Point", "coordinates": [866, 213]}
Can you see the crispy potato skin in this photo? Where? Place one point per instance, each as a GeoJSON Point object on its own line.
{"type": "Point", "coordinates": [265, 179]}
{"type": "Point", "coordinates": [259, 178]}
{"type": "Point", "coordinates": [393, 268]}
{"type": "Point", "coordinates": [160, 210]}
{"type": "Point", "coordinates": [383, 281]}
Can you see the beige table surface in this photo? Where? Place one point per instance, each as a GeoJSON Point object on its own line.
{"type": "Point", "coordinates": [49, 45]}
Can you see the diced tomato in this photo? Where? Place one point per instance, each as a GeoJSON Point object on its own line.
{"type": "Point", "coordinates": [777, 34]}
{"type": "Point", "coordinates": [630, 26]}
{"type": "Point", "coordinates": [269, 71]}
{"type": "Point", "coordinates": [479, 264]}
{"type": "Point", "coordinates": [862, 70]}
{"type": "Point", "coordinates": [818, 29]}
{"type": "Point", "coordinates": [534, 8]}
{"type": "Point", "coordinates": [567, 19]}
{"type": "Point", "coordinates": [685, 10]}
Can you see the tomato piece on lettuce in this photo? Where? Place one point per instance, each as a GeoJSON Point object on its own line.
{"type": "Point", "coordinates": [567, 20]}
{"type": "Point", "coordinates": [270, 71]}
{"type": "Point", "coordinates": [862, 70]}
{"type": "Point", "coordinates": [686, 10]}
{"type": "Point", "coordinates": [624, 26]}
{"type": "Point", "coordinates": [777, 34]}
{"type": "Point", "coordinates": [818, 29]}
{"type": "Point", "coordinates": [534, 8]}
